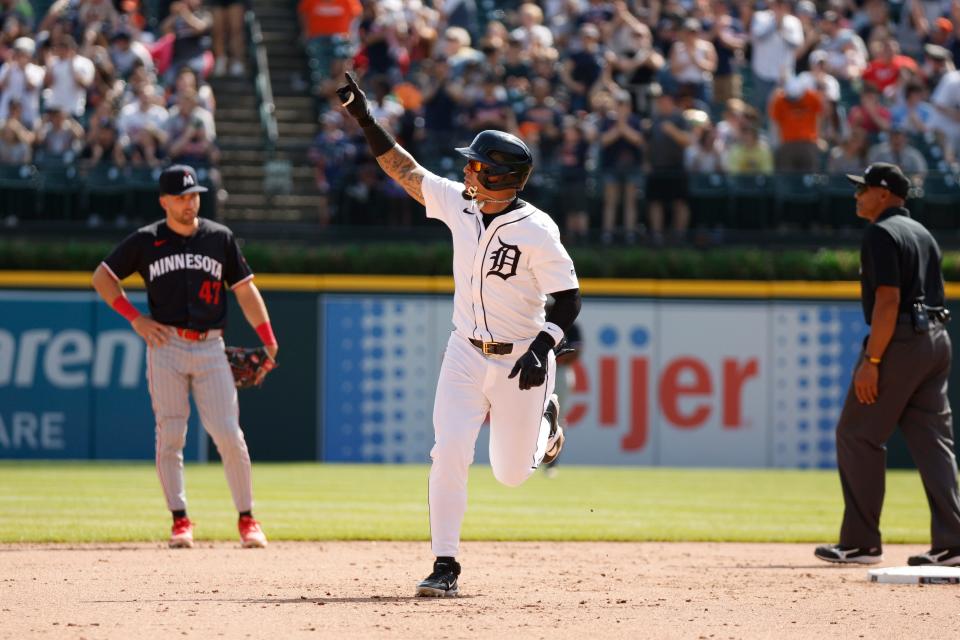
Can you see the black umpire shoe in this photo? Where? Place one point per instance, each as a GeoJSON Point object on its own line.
{"type": "Point", "coordinates": [849, 555]}
{"type": "Point", "coordinates": [944, 557]}
{"type": "Point", "coordinates": [555, 439]}
{"type": "Point", "coordinates": [442, 582]}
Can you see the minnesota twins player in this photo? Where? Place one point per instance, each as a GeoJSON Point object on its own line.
{"type": "Point", "coordinates": [187, 263]}
{"type": "Point", "coordinates": [507, 258]}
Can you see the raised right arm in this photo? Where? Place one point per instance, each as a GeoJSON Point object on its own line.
{"type": "Point", "coordinates": [392, 158]}
{"type": "Point", "coordinates": [400, 165]}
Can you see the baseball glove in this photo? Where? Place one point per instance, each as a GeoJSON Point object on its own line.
{"type": "Point", "coordinates": [249, 365]}
{"type": "Point", "coordinates": [564, 349]}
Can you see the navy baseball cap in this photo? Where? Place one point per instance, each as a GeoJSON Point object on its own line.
{"type": "Point", "coordinates": [886, 175]}
{"type": "Point", "coordinates": [178, 180]}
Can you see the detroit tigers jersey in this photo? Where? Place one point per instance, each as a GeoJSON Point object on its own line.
{"type": "Point", "coordinates": [502, 273]}
{"type": "Point", "coordinates": [184, 276]}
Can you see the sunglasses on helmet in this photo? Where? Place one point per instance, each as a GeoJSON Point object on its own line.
{"type": "Point", "coordinates": [476, 166]}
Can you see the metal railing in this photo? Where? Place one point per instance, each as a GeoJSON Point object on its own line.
{"type": "Point", "coordinates": [263, 85]}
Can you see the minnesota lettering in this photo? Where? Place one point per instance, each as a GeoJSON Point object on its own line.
{"type": "Point", "coordinates": [181, 261]}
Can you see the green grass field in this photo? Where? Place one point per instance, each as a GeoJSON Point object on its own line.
{"type": "Point", "coordinates": [105, 502]}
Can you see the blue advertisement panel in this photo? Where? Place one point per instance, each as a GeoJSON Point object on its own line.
{"type": "Point", "coordinates": [815, 347]}
{"type": "Point", "coordinates": [72, 380]}
{"type": "Point", "coordinates": [674, 383]}
{"type": "Point", "coordinates": [381, 357]}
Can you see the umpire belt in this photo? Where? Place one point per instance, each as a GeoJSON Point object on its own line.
{"type": "Point", "coordinates": [493, 348]}
{"type": "Point", "coordinates": [935, 317]}
{"type": "Point", "coordinates": [198, 336]}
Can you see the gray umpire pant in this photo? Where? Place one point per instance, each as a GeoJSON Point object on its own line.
{"type": "Point", "coordinates": [913, 395]}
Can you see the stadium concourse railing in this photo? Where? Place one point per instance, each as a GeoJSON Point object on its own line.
{"type": "Point", "coordinates": [796, 209]}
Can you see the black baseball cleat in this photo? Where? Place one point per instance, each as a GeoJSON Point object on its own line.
{"type": "Point", "coordinates": [442, 583]}
{"type": "Point", "coordinates": [555, 439]}
{"type": "Point", "coordinates": [841, 554]}
{"type": "Point", "coordinates": [943, 557]}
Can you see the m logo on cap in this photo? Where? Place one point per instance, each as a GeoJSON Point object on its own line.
{"type": "Point", "coordinates": [179, 180]}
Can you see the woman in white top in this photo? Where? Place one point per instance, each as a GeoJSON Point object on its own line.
{"type": "Point", "coordinates": [693, 59]}
{"type": "Point", "coordinates": [21, 80]}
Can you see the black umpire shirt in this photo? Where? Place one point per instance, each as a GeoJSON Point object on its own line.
{"type": "Point", "coordinates": [184, 276]}
{"type": "Point", "coordinates": [898, 251]}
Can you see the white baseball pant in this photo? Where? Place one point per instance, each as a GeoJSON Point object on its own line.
{"type": "Point", "coordinates": [471, 385]}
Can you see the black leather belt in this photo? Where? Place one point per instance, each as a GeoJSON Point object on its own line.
{"type": "Point", "coordinates": [907, 318]}
{"type": "Point", "coordinates": [493, 348]}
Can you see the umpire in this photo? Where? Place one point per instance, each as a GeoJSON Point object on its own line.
{"type": "Point", "coordinates": [900, 379]}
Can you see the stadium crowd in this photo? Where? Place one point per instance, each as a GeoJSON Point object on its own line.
{"type": "Point", "coordinates": [89, 85]}
{"type": "Point", "coordinates": [642, 95]}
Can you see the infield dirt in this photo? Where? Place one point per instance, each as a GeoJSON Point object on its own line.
{"type": "Point", "coordinates": [508, 590]}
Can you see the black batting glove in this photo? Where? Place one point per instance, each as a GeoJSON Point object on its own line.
{"type": "Point", "coordinates": [354, 101]}
{"type": "Point", "coordinates": [532, 365]}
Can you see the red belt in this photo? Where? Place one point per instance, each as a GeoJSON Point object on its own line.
{"type": "Point", "coordinates": [192, 334]}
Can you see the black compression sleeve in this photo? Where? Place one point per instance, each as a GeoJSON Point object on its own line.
{"type": "Point", "coordinates": [377, 137]}
{"type": "Point", "coordinates": [566, 308]}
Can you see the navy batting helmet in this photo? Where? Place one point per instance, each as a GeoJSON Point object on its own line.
{"type": "Point", "coordinates": [508, 162]}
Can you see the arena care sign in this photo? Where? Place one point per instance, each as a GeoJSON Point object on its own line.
{"type": "Point", "coordinates": [72, 380]}
{"type": "Point", "coordinates": [680, 383]}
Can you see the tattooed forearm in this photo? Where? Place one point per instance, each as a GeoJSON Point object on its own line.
{"type": "Point", "coordinates": [400, 165]}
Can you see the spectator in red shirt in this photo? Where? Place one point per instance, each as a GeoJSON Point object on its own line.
{"type": "Point", "coordinates": [870, 115]}
{"type": "Point", "coordinates": [884, 71]}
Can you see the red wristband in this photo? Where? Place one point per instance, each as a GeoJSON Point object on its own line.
{"type": "Point", "coordinates": [123, 306]}
{"type": "Point", "coordinates": [265, 331]}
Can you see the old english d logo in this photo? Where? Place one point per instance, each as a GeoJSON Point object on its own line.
{"type": "Point", "coordinates": [504, 260]}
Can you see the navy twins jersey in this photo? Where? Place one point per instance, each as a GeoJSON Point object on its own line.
{"type": "Point", "coordinates": [186, 277]}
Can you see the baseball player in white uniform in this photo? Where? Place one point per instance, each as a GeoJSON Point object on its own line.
{"type": "Point", "coordinates": [499, 359]}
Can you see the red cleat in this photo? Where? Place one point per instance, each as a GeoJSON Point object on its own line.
{"type": "Point", "coordinates": [181, 536]}
{"type": "Point", "coordinates": [251, 535]}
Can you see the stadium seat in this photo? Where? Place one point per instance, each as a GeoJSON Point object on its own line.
{"type": "Point", "coordinates": [837, 202]}
{"type": "Point", "coordinates": [142, 183]}
{"type": "Point", "coordinates": [60, 188]}
{"type": "Point", "coordinates": [940, 194]}
{"type": "Point", "coordinates": [708, 197]}
{"type": "Point", "coordinates": [751, 201]}
{"type": "Point", "coordinates": [797, 198]}
{"type": "Point", "coordinates": [106, 195]}
{"type": "Point", "coordinates": [18, 192]}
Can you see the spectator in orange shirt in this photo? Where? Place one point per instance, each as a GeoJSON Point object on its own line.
{"type": "Point", "coordinates": [885, 69]}
{"type": "Point", "coordinates": [328, 17]}
{"type": "Point", "coordinates": [796, 110]}
{"type": "Point", "coordinates": [328, 26]}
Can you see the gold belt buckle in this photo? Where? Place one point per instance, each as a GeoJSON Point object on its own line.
{"type": "Point", "coordinates": [489, 348]}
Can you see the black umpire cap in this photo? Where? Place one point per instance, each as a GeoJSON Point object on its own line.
{"type": "Point", "coordinates": [886, 175]}
{"type": "Point", "coordinates": [178, 180]}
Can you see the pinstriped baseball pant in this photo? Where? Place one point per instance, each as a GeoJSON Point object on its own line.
{"type": "Point", "coordinates": [175, 370]}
